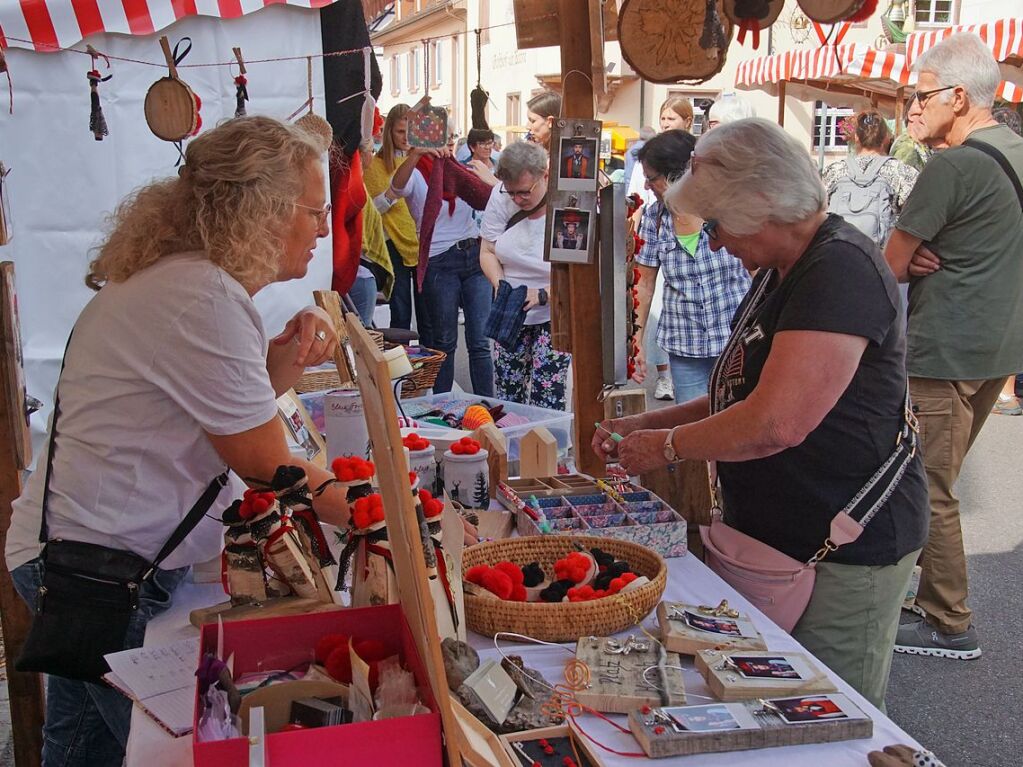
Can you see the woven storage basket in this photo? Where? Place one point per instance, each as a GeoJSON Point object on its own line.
{"type": "Point", "coordinates": [563, 621]}
{"type": "Point", "coordinates": [325, 380]}
{"type": "Point", "coordinates": [424, 373]}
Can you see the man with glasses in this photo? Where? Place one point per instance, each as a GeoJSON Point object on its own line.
{"type": "Point", "coordinates": [958, 242]}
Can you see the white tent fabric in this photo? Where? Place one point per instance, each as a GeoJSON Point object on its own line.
{"type": "Point", "coordinates": [63, 183]}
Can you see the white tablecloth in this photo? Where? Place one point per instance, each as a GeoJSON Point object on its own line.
{"type": "Point", "coordinates": [689, 581]}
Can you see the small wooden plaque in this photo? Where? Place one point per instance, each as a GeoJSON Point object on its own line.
{"type": "Point", "coordinates": [760, 729]}
{"type": "Point", "coordinates": [538, 453]}
{"type": "Point", "coordinates": [729, 684]}
{"type": "Point", "coordinates": [617, 684]}
{"type": "Point", "coordinates": [678, 636]}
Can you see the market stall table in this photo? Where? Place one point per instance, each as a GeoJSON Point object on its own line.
{"type": "Point", "coordinates": [689, 580]}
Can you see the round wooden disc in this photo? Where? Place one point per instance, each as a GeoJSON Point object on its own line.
{"type": "Point", "coordinates": [170, 109]}
{"type": "Point", "coordinates": [775, 7]}
{"type": "Point", "coordinates": [829, 11]}
{"type": "Point", "coordinates": [661, 39]}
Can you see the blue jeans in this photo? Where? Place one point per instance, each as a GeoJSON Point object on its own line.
{"type": "Point", "coordinates": [689, 376]}
{"type": "Point", "coordinates": [364, 295]}
{"type": "Point", "coordinates": [403, 295]}
{"type": "Point", "coordinates": [454, 279]}
{"type": "Point", "coordinates": [87, 724]}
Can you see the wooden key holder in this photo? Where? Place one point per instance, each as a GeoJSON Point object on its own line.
{"type": "Point", "coordinates": [724, 672]}
{"type": "Point", "coordinates": [171, 107]}
{"type": "Point", "coordinates": [681, 637]}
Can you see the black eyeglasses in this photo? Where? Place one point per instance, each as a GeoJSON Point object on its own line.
{"type": "Point", "coordinates": [924, 96]}
{"type": "Point", "coordinates": [710, 228]}
{"type": "Point", "coordinates": [521, 194]}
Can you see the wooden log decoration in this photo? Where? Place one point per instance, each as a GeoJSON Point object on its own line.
{"type": "Point", "coordinates": [626, 674]}
{"type": "Point", "coordinates": [492, 440]}
{"type": "Point", "coordinates": [171, 108]}
{"type": "Point", "coordinates": [687, 629]}
{"type": "Point", "coordinates": [749, 674]}
{"type": "Point", "coordinates": [538, 453]}
{"type": "Point", "coordinates": [741, 726]}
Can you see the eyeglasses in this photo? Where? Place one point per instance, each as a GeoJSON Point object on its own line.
{"type": "Point", "coordinates": [484, 144]}
{"type": "Point", "coordinates": [653, 179]}
{"type": "Point", "coordinates": [710, 228]}
{"type": "Point", "coordinates": [320, 214]}
{"type": "Point", "coordinates": [923, 96]}
{"type": "Point", "coordinates": [521, 194]}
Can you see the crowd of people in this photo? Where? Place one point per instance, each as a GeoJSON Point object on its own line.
{"type": "Point", "coordinates": [769, 308]}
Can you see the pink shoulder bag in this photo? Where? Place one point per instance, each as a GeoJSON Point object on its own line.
{"type": "Point", "coordinates": [778, 585]}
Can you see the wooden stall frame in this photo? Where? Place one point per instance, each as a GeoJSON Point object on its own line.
{"type": "Point", "coordinates": [25, 691]}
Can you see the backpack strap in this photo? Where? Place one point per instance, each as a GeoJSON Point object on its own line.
{"type": "Point", "coordinates": [522, 214]}
{"type": "Point", "coordinates": [866, 176]}
{"type": "Point", "coordinates": [996, 155]}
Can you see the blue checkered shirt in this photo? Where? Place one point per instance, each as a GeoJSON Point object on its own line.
{"type": "Point", "coordinates": [701, 291]}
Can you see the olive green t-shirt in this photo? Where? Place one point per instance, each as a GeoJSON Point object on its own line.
{"type": "Point", "coordinates": [966, 319]}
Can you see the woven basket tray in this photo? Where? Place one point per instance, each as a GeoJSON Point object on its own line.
{"type": "Point", "coordinates": [563, 621]}
{"type": "Point", "coordinates": [424, 373]}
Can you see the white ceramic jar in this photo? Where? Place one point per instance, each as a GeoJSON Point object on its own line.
{"type": "Point", "coordinates": [467, 479]}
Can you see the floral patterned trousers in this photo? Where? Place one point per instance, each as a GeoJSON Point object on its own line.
{"type": "Point", "coordinates": [532, 372]}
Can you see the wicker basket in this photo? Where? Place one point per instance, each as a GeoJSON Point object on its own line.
{"type": "Point", "coordinates": [563, 621]}
{"type": "Point", "coordinates": [424, 372]}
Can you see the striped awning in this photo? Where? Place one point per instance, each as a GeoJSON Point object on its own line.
{"type": "Point", "coordinates": [53, 24]}
{"type": "Point", "coordinates": [851, 62]}
{"type": "Point", "coordinates": [1005, 39]}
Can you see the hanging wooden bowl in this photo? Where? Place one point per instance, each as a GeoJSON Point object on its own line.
{"type": "Point", "coordinates": [172, 111]}
{"type": "Point", "coordinates": [829, 11]}
{"type": "Point", "coordinates": [673, 42]}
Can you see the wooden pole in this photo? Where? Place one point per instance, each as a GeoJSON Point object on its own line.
{"type": "Point", "coordinates": [781, 103]}
{"type": "Point", "coordinates": [583, 279]}
{"type": "Point", "coordinates": [24, 690]}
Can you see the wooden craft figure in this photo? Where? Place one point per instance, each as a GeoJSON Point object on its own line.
{"type": "Point", "coordinates": [429, 511]}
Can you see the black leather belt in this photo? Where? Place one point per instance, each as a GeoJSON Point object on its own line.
{"type": "Point", "coordinates": [466, 244]}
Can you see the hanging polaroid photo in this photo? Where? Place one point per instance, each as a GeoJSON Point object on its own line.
{"type": "Point", "coordinates": [715, 717]}
{"type": "Point", "coordinates": [302, 434]}
{"type": "Point", "coordinates": [578, 162]}
{"type": "Point", "coordinates": [816, 708]}
{"type": "Point", "coordinates": [766, 667]}
{"type": "Point", "coordinates": [724, 626]}
{"type": "Point", "coordinates": [571, 236]}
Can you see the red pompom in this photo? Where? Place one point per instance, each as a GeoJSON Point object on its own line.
{"type": "Point", "coordinates": [475, 574]}
{"type": "Point", "coordinates": [616, 585]}
{"type": "Point", "coordinates": [512, 570]}
{"type": "Point", "coordinates": [339, 665]}
{"type": "Point", "coordinates": [371, 649]}
{"type": "Point", "coordinates": [629, 577]}
{"type": "Point", "coordinates": [327, 644]}
{"type": "Point", "coordinates": [497, 583]}
{"type": "Point", "coordinates": [350, 469]}
{"type": "Point", "coordinates": [458, 448]}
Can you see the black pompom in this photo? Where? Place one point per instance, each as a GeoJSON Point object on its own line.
{"type": "Point", "coordinates": [603, 559]}
{"type": "Point", "coordinates": [614, 570]}
{"type": "Point", "coordinates": [231, 514]}
{"type": "Point", "coordinates": [287, 477]}
{"type": "Point", "coordinates": [557, 591]}
{"type": "Point", "coordinates": [533, 574]}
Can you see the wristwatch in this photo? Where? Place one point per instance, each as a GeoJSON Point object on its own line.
{"type": "Point", "coordinates": [669, 448]}
{"type": "Point", "coordinates": [541, 297]}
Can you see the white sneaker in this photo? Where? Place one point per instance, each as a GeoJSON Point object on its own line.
{"type": "Point", "coordinates": [663, 390]}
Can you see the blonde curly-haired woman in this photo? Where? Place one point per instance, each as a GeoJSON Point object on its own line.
{"type": "Point", "coordinates": [170, 377]}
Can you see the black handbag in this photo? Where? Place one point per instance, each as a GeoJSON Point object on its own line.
{"type": "Point", "coordinates": [88, 593]}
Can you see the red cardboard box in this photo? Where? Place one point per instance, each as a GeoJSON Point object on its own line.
{"type": "Point", "coordinates": [286, 642]}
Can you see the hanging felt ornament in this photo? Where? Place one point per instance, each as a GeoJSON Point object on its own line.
{"type": "Point", "coordinates": [97, 122]}
{"type": "Point", "coordinates": [752, 16]}
{"type": "Point", "coordinates": [311, 122]}
{"type": "Point", "coordinates": [479, 97]}
{"type": "Point", "coordinates": [241, 93]}
{"type": "Point", "coordinates": [427, 125]}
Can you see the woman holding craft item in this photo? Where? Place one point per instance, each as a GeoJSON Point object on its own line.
{"type": "Point", "coordinates": [151, 409]}
{"type": "Point", "coordinates": [529, 370]}
{"type": "Point", "coordinates": [808, 399]}
{"type": "Point", "coordinates": [399, 227]}
{"type": "Point", "coordinates": [703, 284]}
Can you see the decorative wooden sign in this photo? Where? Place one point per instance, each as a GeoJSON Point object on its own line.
{"type": "Point", "coordinates": [626, 674]}
{"type": "Point", "coordinates": [747, 674]}
{"type": "Point", "coordinates": [687, 629]}
{"type": "Point", "coordinates": [170, 106]}
{"type": "Point", "coordinates": [538, 453]}
{"type": "Point", "coordinates": [791, 721]}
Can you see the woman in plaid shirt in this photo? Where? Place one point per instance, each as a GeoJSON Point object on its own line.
{"type": "Point", "coordinates": [702, 286]}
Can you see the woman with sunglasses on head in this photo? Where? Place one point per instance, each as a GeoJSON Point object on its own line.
{"type": "Point", "coordinates": [703, 285]}
{"type": "Point", "coordinates": [807, 402]}
{"type": "Point", "coordinates": [169, 377]}
{"type": "Point", "coordinates": [527, 370]}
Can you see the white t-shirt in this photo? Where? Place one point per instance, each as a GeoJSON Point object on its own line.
{"type": "Point", "coordinates": [450, 227]}
{"type": "Point", "coordinates": [519, 250]}
{"type": "Point", "coordinates": [175, 350]}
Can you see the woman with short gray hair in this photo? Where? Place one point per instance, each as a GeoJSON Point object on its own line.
{"type": "Point", "coordinates": [807, 400]}
{"type": "Point", "coordinates": [526, 369]}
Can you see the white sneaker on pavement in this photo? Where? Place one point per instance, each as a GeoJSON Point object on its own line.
{"type": "Point", "coordinates": [663, 390]}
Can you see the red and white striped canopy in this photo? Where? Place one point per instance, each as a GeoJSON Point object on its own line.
{"type": "Point", "coordinates": [1004, 37]}
{"type": "Point", "coordinates": [54, 24]}
{"type": "Point", "coordinates": [853, 61]}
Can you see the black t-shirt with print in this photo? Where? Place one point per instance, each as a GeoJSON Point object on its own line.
{"type": "Point", "coordinates": [841, 284]}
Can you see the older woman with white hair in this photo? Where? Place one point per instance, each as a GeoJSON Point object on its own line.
{"type": "Point", "coordinates": [807, 400]}
{"type": "Point", "coordinates": [728, 108]}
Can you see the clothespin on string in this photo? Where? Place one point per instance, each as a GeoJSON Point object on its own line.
{"type": "Point", "coordinates": [97, 122]}
{"type": "Point", "coordinates": [240, 82]}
